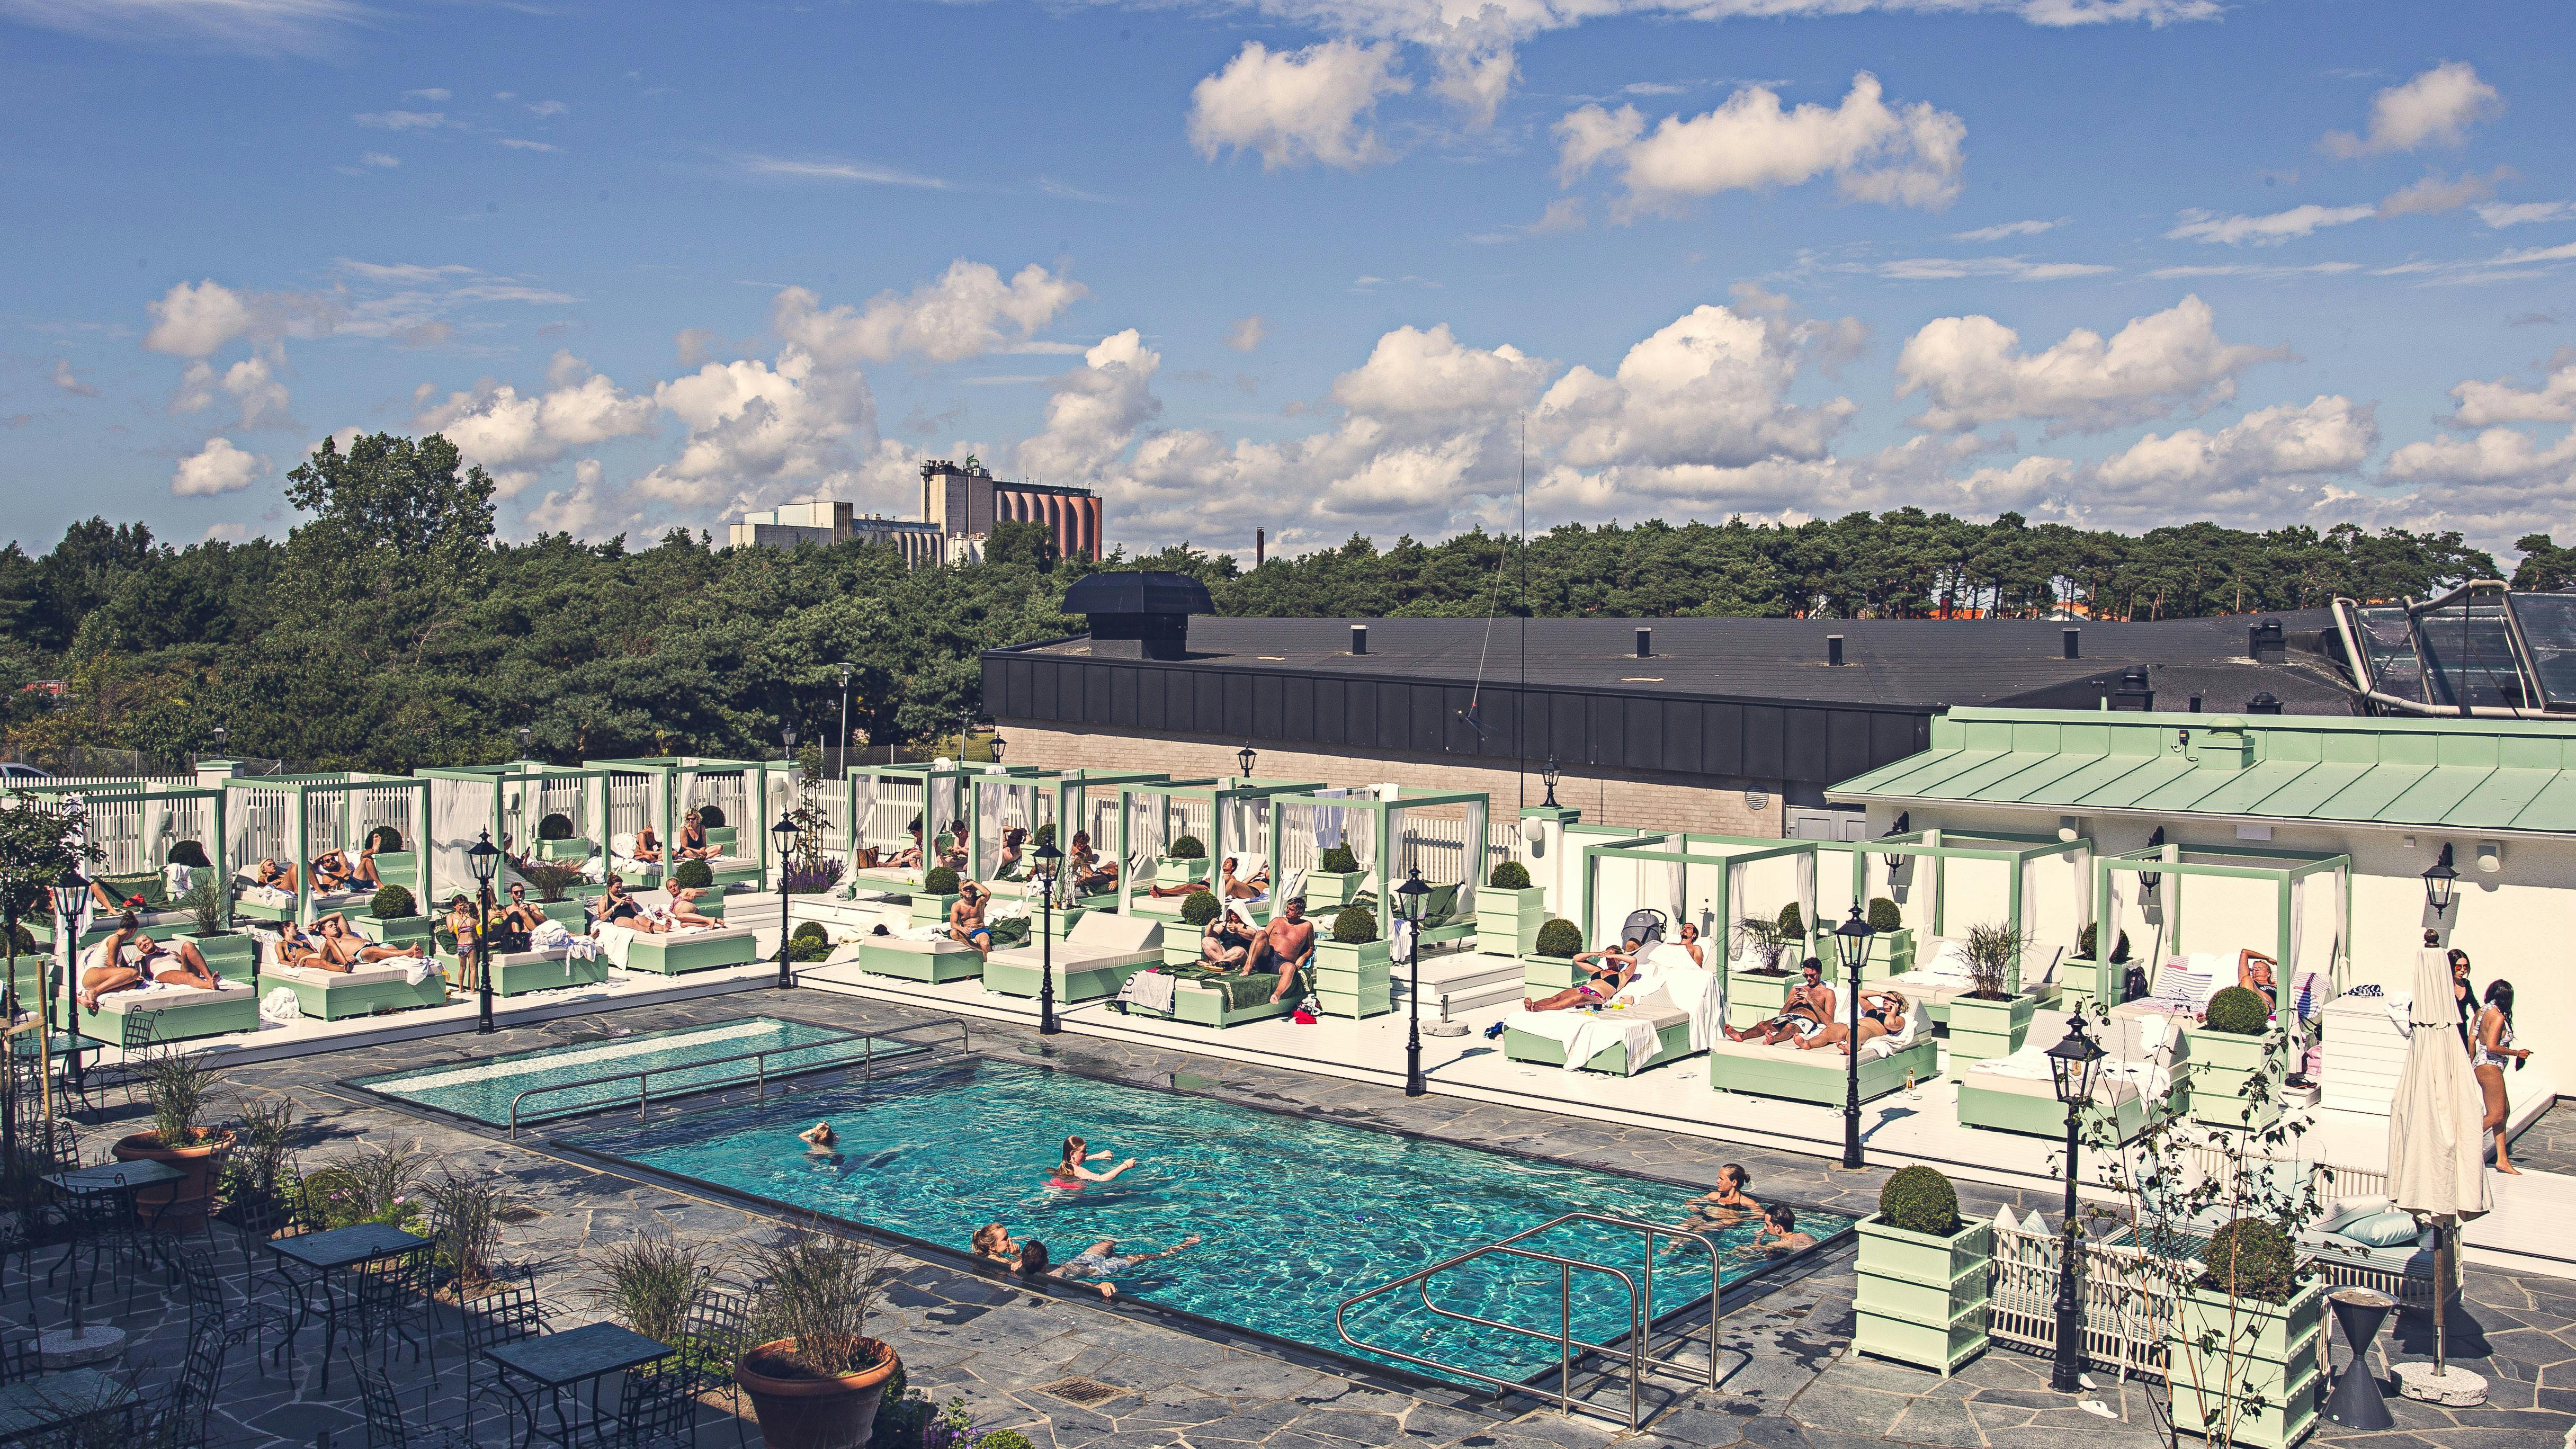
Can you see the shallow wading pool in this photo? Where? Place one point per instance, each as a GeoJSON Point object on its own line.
{"type": "Point", "coordinates": [1296, 1215]}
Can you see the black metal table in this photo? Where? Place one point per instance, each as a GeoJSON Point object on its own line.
{"type": "Point", "coordinates": [125, 1182]}
{"type": "Point", "coordinates": [330, 1254]}
{"type": "Point", "coordinates": [558, 1364]}
{"type": "Point", "coordinates": [51, 1402]}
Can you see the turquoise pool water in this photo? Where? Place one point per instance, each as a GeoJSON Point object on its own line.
{"type": "Point", "coordinates": [681, 1059]}
{"type": "Point", "coordinates": [1296, 1214]}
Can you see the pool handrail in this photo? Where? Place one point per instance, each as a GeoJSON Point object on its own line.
{"type": "Point", "coordinates": [1641, 1311]}
{"type": "Point", "coordinates": [760, 1060]}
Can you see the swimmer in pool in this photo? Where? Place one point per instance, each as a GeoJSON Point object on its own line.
{"type": "Point", "coordinates": [819, 1139]}
{"type": "Point", "coordinates": [1093, 1264]}
{"type": "Point", "coordinates": [1072, 1173]}
{"type": "Point", "coordinates": [1779, 1231]}
{"type": "Point", "coordinates": [994, 1247]}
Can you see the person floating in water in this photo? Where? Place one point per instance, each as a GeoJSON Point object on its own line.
{"type": "Point", "coordinates": [820, 1140]}
{"type": "Point", "coordinates": [1094, 1265]}
{"type": "Point", "coordinates": [1073, 1174]}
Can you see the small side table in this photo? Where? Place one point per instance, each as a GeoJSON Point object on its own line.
{"type": "Point", "coordinates": [2356, 1402]}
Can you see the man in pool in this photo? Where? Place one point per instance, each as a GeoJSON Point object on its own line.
{"type": "Point", "coordinates": [1779, 1233]}
{"type": "Point", "coordinates": [1287, 945]}
{"type": "Point", "coordinates": [1095, 1264]}
{"type": "Point", "coordinates": [966, 918]}
{"type": "Point", "coordinates": [820, 1140]}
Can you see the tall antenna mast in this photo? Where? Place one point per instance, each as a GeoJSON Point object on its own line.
{"type": "Point", "coordinates": [1520, 725]}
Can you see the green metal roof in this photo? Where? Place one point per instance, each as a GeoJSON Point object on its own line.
{"type": "Point", "coordinates": [2480, 774]}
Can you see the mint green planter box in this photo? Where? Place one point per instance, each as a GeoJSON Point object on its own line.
{"type": "Point", "coordinates": [712, 904]}
{"type": "Point", "coordinates": [1332, 888]}
{"type": "Point", "coordinates": [1507, 922]}
{"type": "Point", "coordinates": [679, 954]}
{"type": "Point", "coordinates": [1168, 872]}
{"type": "Point", "coordinates": [929, 910]}
{"type": "Point", "coordinates": [2222, 1063]}
{"type": "Point", "coordinates": [570, 915]}
{"type": "Point", "coordinates": [234, 956]}
{"type": "Point", "coordinates": [1353, 981]}
{"type": "Point", "coordinates": [933, 967]}
{"type": "Point", "coordinates": [723, 835]}
{"type": "Point", "coordinates": [1755, 996]}
{"type": "Point", "coordinates": [328, 1001]}
{"type": "Point", "coordinates": [2275, 1349]}
{"type": "Point", "coordinates": [1547, 975]}
{"type": "Point", "coordinates": [2081, 978]}
{"type": "Point", "coordinates": [1816, 1076]}
{"type": "Point", "coordinates": [1922, 1299]}
{"type": "Point", "coordinates": [399, 867]}
{"type": "Point", "coordinates": [575, 849]}
{"type": "Point", "coordinates": [1982, 1029]}
{"type": "Point", "coordinates": [1985, 1103]}
{"type": "Point", "coordinates": [1672, 1043]}
{"type": "Point", "coordinates": [1891, 953]}
{"type": "Point", "coordinates": [735, 875]}
{"type": "Point", "coordinates": [399, 931]}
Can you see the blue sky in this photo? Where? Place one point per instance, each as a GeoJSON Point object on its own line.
{"type": "Point", "coordinates": [1314, 266]}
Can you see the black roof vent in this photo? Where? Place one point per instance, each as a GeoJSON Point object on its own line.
{"type": "Point", "coordinates": [1139, 615]}
{"type": "Point", "coordinates": [2263, 703]}
{"type": "Point", "coordinates": [2267, 643]}
{"type": "Point", "coordinates": [2134, 692]}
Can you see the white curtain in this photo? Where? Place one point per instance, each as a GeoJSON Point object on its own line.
{"type": "Point", "coordinates": [1328, 820]}
{"type": "Point", "coordinates": [459, 812]}
{"type": "Point", "coordinates": [1807, 888]}
{"type": "Point", "coordinates": [781, 799]}
{"type": "Point", "coordinates": [863, 811]}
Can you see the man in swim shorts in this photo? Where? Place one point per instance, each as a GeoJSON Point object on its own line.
{"type": "Point", "coordinates": [1809, 1006]}
{"type": "Point", "coordinates": [1102, 1261]}
{"type": "Point", "coordinates": [966, 919]}
{"type": "Point", "coordinates": [1287, 944]}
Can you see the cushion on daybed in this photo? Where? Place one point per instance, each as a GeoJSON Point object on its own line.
{"type": "Point", "coordinates": [370, 975]}
{"type": "Point", "coordinates": [1239, 991]}
{"type": "Point", "coordinates": [943, 946]}
{"type": "Point", "coordinates": [160, 994]}
{"type": "Point", "coordinates": [2109, 1091]}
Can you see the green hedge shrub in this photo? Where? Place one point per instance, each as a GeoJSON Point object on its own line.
{"type": "Point", "coordinates": [2238, 1011]}
{"type": "Point", "coordinates": [1340, 861]}
{"type": "Point", "coordinates": [557, 826]}
{"type": "Point", "coordinates": [2250, 1258]}
{"type": "Point", "coordinates": [1883, 915]}
{"type": "Point", "coordinates": [1004, 1439]}
{"type": "Point", "coordinates": [1511, 875]}
{"type": "Point", "coordinates": [382, 838]}
{"type": "Point", "coordinates": [1793, 926]}
{"type": "Point", "coordinates": [1188, 847]}
{"type": "Point", "coordinates": [711, 817]}
{"type": "Point", "coordinates": [809, 943]}
{"type": "Point", "coordinates": [392, 904]}
{"type": "Point", "coordinates": [1045, 835]}
{"type": "Point", "coordinates": [1560, 938]}
{"type": "Point", "coordinates": [940, 880]}
{"type": "Point", "coordinates": [694, 875]}
{"type": "Point", "coordinates": [1355, 926]}
{"type": "Point", "coordinates": [1919, 1199]}
{"type": "Point", "coordinates": [1198, 908]}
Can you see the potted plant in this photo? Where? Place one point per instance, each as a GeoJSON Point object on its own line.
{"type": "Point", "coordinates": [816, 1378]}
{"type": "Point", "coordinates": [230, 954]}
{"type": "Point", "coordinates": [2242, 1355]}
{"type": "Point", "coordinates": [1183, 861]}
{"type": "Point", "coordinates": [1352, 966]}
{"type": "Point", "coordinates": [554, 884]}
{"type": "Point", "coordinates": [1892, 947]}
{"type": "Point", "coordinates": [2087, 975]}
{"type": "Point", "coordinates": [393, 918]}
{"type": "Point", "coordinates": [1758, 987]}
{"type": "Point", "coordinates": [556, 839]}
{"type": "Point", "coordinates": [1548, 966]}
{"type": "Point", "coordinates": [1509, 912]}
{"type": "Point", "coordinates": [1336, 880]}
{"type": "Point", "coordinates": [179, 1084]}
{"type": "Point", "coordinates": [2234, 1043]}
{"type": "Point", "coordinates": [1793, 928]}
{"type": "Point", "coordinates": [938, 892]}
{"type": "Point", "coordinates": [1922, 1291]}
{"type": "Point", "coordinates": [1992, 1016]}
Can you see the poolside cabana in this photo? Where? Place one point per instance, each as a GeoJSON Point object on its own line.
{"type": "Point", "coordinates": [1943, 882]}
{"type": "Point", "coordinates": [1233, 815]}
{"type": "Point", "coordinates": [297, 817]}
{"type": "Point", "coordinates": [518, 803]}
{"type": "Point", "coordinates": [135, 826]}
{"type": "Point", "coordinates": [882, 804]}
{"type": "Point", "coordinates": [1027, 798]}
{"type": "Point", "coordinates": [660, 791]}
{"type": "Point", "coordinates": [1443, 834]}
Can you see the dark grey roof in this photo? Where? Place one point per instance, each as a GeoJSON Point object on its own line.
{"type": "Point", "coordinates": [1128, 591]}
{"type": "Point", "coordinates": [1900, 663]}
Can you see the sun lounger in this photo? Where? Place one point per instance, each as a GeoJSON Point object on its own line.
{"type": "Point", "coordinates": [1671, 1010]}
{"type": "Point", "coordinates": [515, 973]}
{"type": "Point", "coordinates": [1204, 998]}
{"type": "Point", "coordinates": [913, 959]}
{"type": "Point", "coordinates": [674, 953]}
{"type": "Point", "coordinates": [1821, 1076]}
{"type": "Point", "coordinates": [177, 1013]}
{"type": "Point", "coordinates": [1101, 951]}
{"type": "Point", "coordinates": [2018, 1093]}
{"type": "Point", "coordinates": [365, 990]}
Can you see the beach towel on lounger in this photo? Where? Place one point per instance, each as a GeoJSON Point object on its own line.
{"type": "Point", "coordinates": [1151, 990]}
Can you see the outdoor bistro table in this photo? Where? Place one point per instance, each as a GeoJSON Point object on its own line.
{"type": "Point", "coordinates": [50, 1402]}
{"type": "Point", "coordinates": [124, 1180]}
{"type": "Point", "coordinates": [332, 1253]}
{"type": "Point", "coordinates": [559, 1363]}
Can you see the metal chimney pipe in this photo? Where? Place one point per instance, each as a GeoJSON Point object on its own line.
{"type": "Point", "coordinates": [1645, 643]}
{"type": "Point", "coordinates": [2074, 643]}
{"type": "Point", "coordinates": [1359, 638]}
{"type": "Point", "coordinates": [1833, 649]}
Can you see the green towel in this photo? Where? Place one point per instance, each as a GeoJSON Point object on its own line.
{"type": "Point", "coordinates": [147, 885]}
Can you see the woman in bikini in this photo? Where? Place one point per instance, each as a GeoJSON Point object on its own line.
{"type": "Point", "coordinates": [2255, 972]}
{"type": "Point", "coordinates": [1012, 862]}
{"type": "Point", "coordinates": [2495, 1049]}
{"type": "Point", "coordinates": [1074, 1172]}
{"type": "Point", "coordinates": [648, 846]}
{"type": "Point", "coordinates": [994, 1247]}
{"type": "Point", "coordinates": [1882, 1013]}
{"type": "Point", "coordinates": [128, 959]}
{"type": "Point", "coordinates": [342, 947]}
{"type": "Point", "coordinates": [685, 912]}
{"type": "Point", "coordinates": [274, 875]}
{"type": "Point", "coordinates": [693, 839]}
{"type": "Point", "coordinates": [1604, 981]}
{"type": "Point", "coordinates": [1732, 1200]}
{"type": "Point", "coordinates": [1091, 875]}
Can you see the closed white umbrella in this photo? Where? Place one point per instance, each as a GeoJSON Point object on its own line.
{"type": "Point", "coordinates": [2436, 1130]}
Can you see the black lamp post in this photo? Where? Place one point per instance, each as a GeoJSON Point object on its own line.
{"type": "Point", "coordinates": [71, 892]}
{"type": "Point", "coordinates": [1551, 776]}
{"type": "Point", "coordinates": [2071, 1062]}
{"type": "Point", "coordinates": [997, 747]}
{"type": "Point", "coordinates": [784, 833]}
{"type": "Point", "coordinates": [1409, 899]}
{"type": "Point", "coordinates": [1244, 758]}
{"type": "Point", "coordinates": [1896, 859]}
{"type": "Point", "coordinates": [843, 743]}
{"type": "Point", "coordinates": [525, 735]}
{"type": "Point", "coordinates": [1045, 861]}
{"type": "Point", "coordinates": [220, 732]}
{"type": "Point", "coordinates": [486, 864]}
{"type": "Point", "coordinates": [1851, 942]}
{"type": "Point", "coordinates": [2441, 883]}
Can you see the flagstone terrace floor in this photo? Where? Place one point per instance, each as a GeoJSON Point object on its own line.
{"type": "Point", "coordinates": [1789, 1378]}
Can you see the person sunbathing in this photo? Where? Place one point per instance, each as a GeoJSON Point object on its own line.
{"type": "Point", "coordinates": [1225, 943]}
{"type": "Point", "coordinates": [694, 844]}
{"type": "Point", "coordinates": [1286, 945]}
{"type": "Point", "coordinates": [1808, 1006]}
{"type": "Point", "coordinates": [128, 960]}
{"type": "Point", "coordinates": [1091, 875]}
{"type": "Point", "coordinates": [966, 919]}
{"type": "Point", "coordinates": [520, 917]}
{"type": "Point", "coordinates": [1691, 943]}
{"type": "Point", "coordinates": [334, 872]}
{"type": "Point", "coordinates": [1230, 887]}
{"type": "Point", "coordinates": [616, 907]}
{"type": "Point", "coordinates": [1600, 983]}
{"type": "Point", "coordinates": [1882, 1013]}
{"type": "Point", "coordinates": [2256, 972]}
{"type": "Point", "coordinates": [648, 846]}
{"type": "Point", "coordinates": [273, 874]}
{"type": "Point", "coordinates": [685, 912]}
{"type": "Point", "coordinates": [1011, 863]}
{"type": "Point", "coordinates": [344, 947]}
{"type": "Point", "coordinates": [110, 903]}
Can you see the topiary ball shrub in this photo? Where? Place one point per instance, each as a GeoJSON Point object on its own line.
{"type": "Point", "coordinates": [1340, 861]}
{"type": "Point", "coordinates": [1045, 834]}
{"type": "Point", "coordinates": [1198, 908]}
{"type": "Point", "coordinates": [1793, 926]}
{"type": "Point", "coordinates": [711, 816]}
{"type": "Point", "coordinates": [2238, 1011]}
{"type": "Point", "coordinates": [1355, 926]}
{"type": "Point", "coordinates": [2086, 940]}
{"type": "Point", "coordinates": [1560, 938]}
{"type": "Point", "coordinates": [392, 903]}
{"type": "Point", "coordinates": [1883, 915]}
{"type": "Point", "coordinates": [1188, 847]}
{"type": "Point", "coordinates": [940, 881]}
{"type": "Point", "coordinates": [695, 875]}
{"type": "Point", "coordinates": [2120, 948]}
{"type": "Point", "coordinates": [2250, 1258]}
{"type": "Point", "coordinates": [190, 854]}
{"type": "Point", "coordinates": [384, 838]}
{"type": "Point", "coordinates": [557, 826]}
{"type": "Point", "coordinates": [1511, 875]}
{"type": "Point", "coordinates": [810, 943]}
{"type": "Point", "coordinates": [1919, 1199]}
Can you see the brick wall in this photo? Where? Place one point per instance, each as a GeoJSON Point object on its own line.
{"type": "Point", "coordinates": [1606, 797]}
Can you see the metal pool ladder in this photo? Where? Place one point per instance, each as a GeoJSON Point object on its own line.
{"type": "Point", "coordinates": [759, 1073]}
{"type": "Point", "coordinates": [1638, 1354]}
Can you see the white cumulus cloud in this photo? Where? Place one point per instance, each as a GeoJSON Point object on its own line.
{"type": "Point", "coordinates": [1904, 155]}
{"type": "Point", "coordinates": [515, 435]}
{"type": "Point", "coordinates": [216, 468]}
{"type": "Point", "coordinates": [2271, 230]}
{"type": "Point", "coordinates": [2481, 404]}
{"type": "Point", "coordinates": [958, 316]}
{"type": "Point", "coordinates": [1245, 333]}
{"type": "Point", "coordinates": [1972, 371]}
{"type": "Point", "coordinates": [2434, 109]}
{"type": "Point", "coordinates": [2212, 469]}
{"type": "Point", "coordinates": [1295, 107]}
{"type": "Point", "coordinates": [1413, 372]}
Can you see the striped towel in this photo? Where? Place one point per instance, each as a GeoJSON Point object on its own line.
{"type": "Point", "coordinates": [2178, 985]}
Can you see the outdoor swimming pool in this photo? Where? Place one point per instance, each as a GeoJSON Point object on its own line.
{"type": "Point", "coordinates": [1296, 1214]}
{"type": "Point", "coordinates": [681, 1059]}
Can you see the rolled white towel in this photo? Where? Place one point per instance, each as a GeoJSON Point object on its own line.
{"type": "Point", "coordinates": [281, 1006]}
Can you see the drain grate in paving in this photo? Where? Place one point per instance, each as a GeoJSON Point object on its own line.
{"type": "Point", "coordinates": [1082, 1393]}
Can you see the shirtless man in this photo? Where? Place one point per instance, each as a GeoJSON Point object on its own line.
{"type": "Point", "coordinates": [1809, 1006]}
{"type": "Point", "coordinates": [1691, 943]}
{"type": "Point", "coordinates": [520, 916]}
{"type": "Point", "coordinates": [1287, 944]}
{"type": "Point", "coordinates": [685, 912]}
{"type": "Point", "coordinates": [1230, 887]}
{"type": "Point", "coordinates": [966, 919]}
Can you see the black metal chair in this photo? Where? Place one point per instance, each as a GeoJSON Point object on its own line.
{"type": "Point", "coordinates": [108, 1225]}
{"type": "Point", "coordinates": [386, 1426]}
{"type": "Point", "coordinates": [279, 1295]}
{"type": "Point", "coordinates": [508, 1313]}
{"type": "Point", "coordinates": [212, 1307]}
{"type": "Point", "coordinates": [389, 1296]}
{"type": "Point", "coordinates": [19, 1360]}
{"type": "Point", "coordinates": [657, 1410]}
{"type": "Point", "coordinates": [184, 1421]}
{"type": "Point", "coordinates": [712, 1340]}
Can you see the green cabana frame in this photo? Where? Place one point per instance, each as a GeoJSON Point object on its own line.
{"type": "Point", "coordinates": [765, 789]}
{"type": "Point", "coordinates": [1393, 849]}
{"type": "Point", "coordinates": [512, 801]}
{"type": "Point", "coordinates": [1235, 810]}
{"type": "Point", "coordinates": [2012, 850]}
{"type": "Point", "coordinates": [1026, 797]}
{"type": "Point", "coordinates": [300, 816]}
{"type": "Point", "coordinates": [135, 823]}
{"type": "Point", "coordinates": [2176, 863]}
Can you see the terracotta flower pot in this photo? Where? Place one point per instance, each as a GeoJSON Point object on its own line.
{"type": "Point", "coordinates": [798, 1411]}
{"type": "Point", "coordinates": [178, 1206]}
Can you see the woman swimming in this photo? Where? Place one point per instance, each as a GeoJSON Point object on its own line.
{"type": "Point", "coordinates": [1731, 1200]}
{"type": "Point", "coordinates": [819, 1139]}
{"type": "Point", "coordinates": [1073, 1174]}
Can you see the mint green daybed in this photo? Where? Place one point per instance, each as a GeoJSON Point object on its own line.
{"type": "Point", "coordinates": [365, 990]}
{"type": "Point", "coordinates": [676, 953]}
{"type": "Point", "coordinates": [1093, 960]}
{"type": "Point", "coordinates": [1817, 1076]}
{"type": "Point", "coordinates": [180, 1014]}
{"type": "Point", "coordinates": [1204, 998]}
{"type": "Point", "coordinates": [515, 973]}
{"type": "Point", "coordinates": [1672, 1043]}
{"type": "Point", "coordinates": [934, 962]}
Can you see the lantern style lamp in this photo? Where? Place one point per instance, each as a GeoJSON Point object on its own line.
{"type": "Point", "coordinates": [1851, 942]}
{"type": "Point", "coordinates": [1551, 775]}
{"type": "Point", "coordinates": [785, 834]}
{"type": "Point", "coordinates": [220, 732]}
{"type": "Point", "coordinates": [71, 893]}
{"type": "Point", "coordinates": [484, 859]}
{"type": "Point", "coordinates": [525, 735]}
{"type": "Point", "coordinates": [2149, 880]}
{"type": "Point", "coordinates": [2441, 883]}
{"type": "Point", "coordinates": [1244, 758]}
{"type": "Point", "coordinates": [2072, 1063]}
{"type": "Point", "coordinates": [1410, 899]}
{"type": "Point", "coordinates": [1903, 827]}
{"type": "Point", "coordinates": [1044, 862]}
